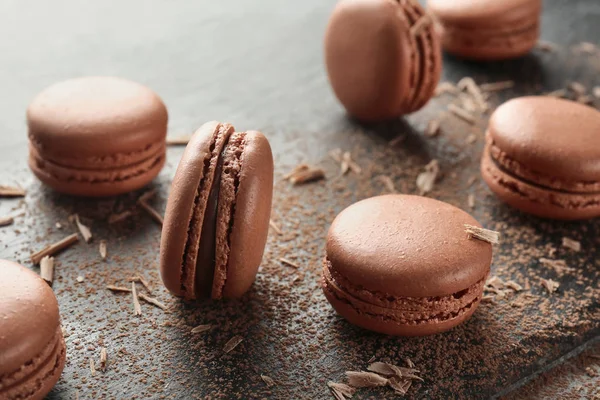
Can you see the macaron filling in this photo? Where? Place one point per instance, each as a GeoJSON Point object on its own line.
{"type": "Point", "coordinates": [399, 309]}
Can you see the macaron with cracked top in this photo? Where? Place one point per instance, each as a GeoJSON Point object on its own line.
{"type": "Point", "coordinates": [487, 29]}
{"type": "Point", "coordinates": [542, 156]}
{"type": "Point", "coordinates": [403, 265]}
{"type": "Point", "coordinates": [97, 136]}
{"type": "Point", "coordinates": [217, 215]}
{"type": "Point", "coordinates": [32, 347]}
{"type": "Point", "coordinates": [383, 57]}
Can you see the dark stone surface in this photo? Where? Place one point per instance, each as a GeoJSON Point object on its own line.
{"type": "Point", "coordinates": [259, 65]}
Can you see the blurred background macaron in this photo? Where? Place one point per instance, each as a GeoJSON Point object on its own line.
{"type": "Point", "coordinates": [97, 136]}
{"type": "Point", "coordinates": [542, 156]}
{"type": "Point", "coordinates": [383, 57]}
{"type": "Point", "coordinates": [32, 347]}
{"type": "Point", "coordinates": [404, 265]}
{"type": "Point", "coordinates": [487, 29]}
{"type": "Point", "coordinates": [217, 217]}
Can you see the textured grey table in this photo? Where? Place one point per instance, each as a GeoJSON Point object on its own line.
{"type": "Point", "coordinates": [258, 64]}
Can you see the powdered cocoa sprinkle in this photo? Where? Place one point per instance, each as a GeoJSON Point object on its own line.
{"type": "Point", "coordinates": [571, 244]}
{"type": "Point", "coordinates": [550, 285]}
{"type": "Point", "coordinates": [11, 191]}
{"type": "Point", "coordinates": [83, 229]}
{"type": "Point", "coordinates": [514, 286]}
{"type": "Point", "coordinates": [232, 343]}
{"type": "Point", "coordinates": [486, 235]}
{"type": "Point", "coordinates": [560, 266]}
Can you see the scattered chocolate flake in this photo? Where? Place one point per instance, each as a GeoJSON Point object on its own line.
{"type": "Point", "coordinates": [596, 92]}
{"type": "Point", "coordinates": [113, 288]}
{"type": "Point", "coordinates": [306, 174]}
{"type": "Point", "coordinates": [341, 391]}
{"type": "Point", "coordinates": [114, 218]}
{"type": "Point", "coordinates": [92, 367]}
{"type": "Point", "coordinates": [577, 88]}
{"type": "Point", "coordinates": [495, 282]}
{"type": "Point", "coordinates": [80, 279]}
{"type": "Point", "coordinates": [390, 370]}
{"type": "Point", "coordinates": [274, 226]}
{"type": "Point", "coordinates": [156, 216]}
{"type": "Point", "coordinates": [546, 46]}
{"type": "Point", "coordinates": [387, 182]}
{"type": "Point", "coordinates": [471, 181]}
{"type": "Point", "coordinates": [54, 248]}
{"type": "Point", "coordinates": [398, 140]}
{"type": "Point", "coordinates": [488, 299]}
{"type": "Point", "coordinates": [140, 279]}
{"type": "Point", "coordinates": [409, 363]}
{"type": "Point", "coordinates": [514, 286]}
{"type": "Point", "coordinates": [102, 249]}
{"type": "Point", "coordinates": [486, 235]}
{"type": "Point", "coordinates": [147, 196]}
{"type": "Point", "coordinates": [363, 379]}
{"type": "Point", "coordinates": [585, 99]}
{"type": "Point", "coordinates": [179, 140]}
{"type": "Point", "coordinates": [433, 128]}
{"type": "Point", "coordinates": [550, 285]}
{"type": "Point", "coordinates": [137, 308]}
{"type": "Point", "coordinates": [471, 201]}
{"type": "Point", "coordinates": [153, 301]}
{"type": "Point", "coordinates": [201, 329]}
{"type": "Point", "coordinates": [496, 86]}
{"type": "Point", "coordinates": [84, 230]}
{"type": "Point", "coordinates": [103, 359]}
{"type": "Point", "coordinates": [58, 225]}
{"type": "Point", "coordinates": [559, 266]}
{"type": "Point", "coordinates": [473, 89]}
{"type": "Point", "coordinates": [47, 269]}
{"type": "Point", "coordinates": [587, 48]}
{"type": "Point", "coordinates": [399, 385]}
{"type": "Point", "coordinates": [352, 165]}
{"type": "Point", "coordinates": [289, 263]}
{"type": "Point", "coordinates": [472, 138]}
{"type": "Point", "coordinates": [560, 93]}
{"type": "Point", "coordinates": [445, 87]}
{"type": "Point", "coordinates": [297, 169]}
{"type": "Point", "coordinates": [267, 380]}
{"type": "Point", "coordinates": [426, 179]}
{"type": "Point", "coordinates": [6, 221]}
{"type": "Point", "coordinates": [571, 244]}
{"type": "Point", "coordinates": [232, 343]}
{"type": "Point", "coordinates": [462, 113]}
{"type": "Point", "coordinates": [11, 191]}
{"type": "Point", "coordinates": [422, 23]}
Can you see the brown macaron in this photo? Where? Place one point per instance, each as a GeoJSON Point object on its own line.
{"type": "Point", "coordinates": [97, 136]}
{"type": "Point", "coordinates": [32, 348]}
{"type": "Point", "coordinates": [383, 57]}
{"type": "Point", "coordinates": [542, 156]}
{"type": "Point", "coordinates": [487, 29]}
{"type": "Point", "coordinates": [404, 265]}
{"type": "Point", "coordinates": [217, 216]}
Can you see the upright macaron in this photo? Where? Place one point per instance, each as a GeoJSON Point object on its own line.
{"type": "Point", "coordinates": [217, 216]}
{"type": "Point", "coordinates": [542, 156]}
{"type": "Point", "coordinates": [487, 29]}
{"type": "Point", "coordinates": [403, 265]}
{"type": "Point", "coordinates": [32, 348]}
{"type": "Point", "coordinates": [383, 57]}
{"type": "Point", "coordinates": [97, 136]}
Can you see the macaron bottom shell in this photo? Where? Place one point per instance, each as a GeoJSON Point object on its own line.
{"type": "Point", "coordinates": [35, 379]}
{"type": "Point", "coordinates": [537, 199]}
{"type": "Point", "coordinates": [97, 182]}
{"type": "Point", "coordinates": [400, 316]}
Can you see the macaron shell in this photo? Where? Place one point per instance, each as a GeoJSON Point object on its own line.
{"type": "Point", "coordinates": [186, 205]}
{"type": "Point", "coordinates": [483, 13]}
{"type": "Point", "coordinates": [551, 136]}
{"type": "Point", "coordinates": [29, 316]}
{"type": "Point", "coordinates": [244, 212]}
{"type": "Point", "coordinates": [97, 183]}
{"type": "Point", "coordinates": [536, 200]}
{"type": "Point", "coordinates": [368, 57]}
{"type": "Point", "coordinates": [431, 255]}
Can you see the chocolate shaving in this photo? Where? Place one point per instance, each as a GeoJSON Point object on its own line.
{"type": "Point", "coordinates": [103, 359]}
{"type": "Point", "coordinates": [353, 166]}
{"type": "Point", "coordinates": [141, 280]}
{"type": "Point", "coordinates": [445, 87]}
{"type": "Point", "coordinates": [267, 380]}
{"type": "Point", "coordinates": [113, 288]}
{"type": "Point", "coordinates": [387, 182]}
{"type": "Point", "coordinates": [11, 191]}
{"type": "Point", "coordinates": [426, 179]}
{"type": "Point", "coordinates": [471, 201]}
{"type": "Point", "coordinates": [410, 363]}
{"type": "Point", "coordinates": [92, 367]}
{"type": "Point", "coordinates": [398, 140]}
{"type": "Point", "coordinates": [114, 218]}
{"type": "Point", "coordinates": [274, 226]}
{"type": "Point", "coordinates": [485, 235]}
{"type": "Point", "coordinates": [577, 88]}
{"type": "Point", "coordinates": [306, 175]}
{"type": "Point", "coordinates": [433, 128]}
{"type": "Point", "coordinates": [514, 286]}
{"type": "Point", "coordinates": [571, 244]}
{"type": "Point", "coordinates": [201, 328]}
{"type": "Point", "coordinates": [102, 249]}
{"type": "Point", "coordinates": [153, 301]}
{"type": "Point", "coordinates": [550, 285]}
{"type": "Point", "coordinates": [180, 140]}
{"type": "Point", "coordinates": [471, 87]}
{"type": "Point", "coordinates": [297, 169]}
{"type": "Point", "coordinates": [462, 113]}
{"type": "Point", "coordinates": [84, 230]}
{"type": "Point", "coordinates": [496, 86]}
{"type": "Point", "coordinates": [47, 269]}
{"type": "Point", "coordinates": [559, 93]}
{"type": "Point", "coordinates": [389, 370]}
{"type": "Point", "coordinates": [587, 48]}
{"type": "Point", "coordinates": [54, 248]}
{"type": "Point", "coordinates": [363, 379]}
{"type": "Point", "coordinates": [341, 391]}
{"type": "Point", "coordinates": [6, 221]}
{"type": "Point", "coordinates": [156, 216]}
{"type": "Point", "coordinates": [472, 138]}
{"type": "Point", "coordinates": [232, 343]}
{"type": "Point", "coordinates": [596, 92]}
{"type": "Point", "coordinates": [400, 385]}
{"type": "Point", "coordinates": [289, 263]}
{"type": "Point", "coordinates": [559, 266]}
{"type": "Point", "coordinates": [137, 308]}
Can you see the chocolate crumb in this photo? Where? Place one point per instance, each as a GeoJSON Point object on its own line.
{"type": "Point", "coordinates": [84, 230]}
{"type": "Point", "coordinates": [201, 328]}
{"type": "Point", "coordinates": [462, 113]}
{"type": "Point", "coordinates": [550, 285]}
{"type": "Point", "coordinates": [137, 308]}
{"type": "Point", "coordinates": [232, 343]}
{"type": "Point", "coordinates": [54, 248]}
{"type": "Point", "coordinates": [6, 221]}
{"type": "Point", "coordinates": [433, 128]}
{"type": "Point", "coordinates": [571, 244]}
{"type": "Point", "coordinates": [58, 225]}
{"type": "Point", "coordinates": [267, 380]}
{"type": "Point", "coordinates": [179, 140]}
{"type": "Point", "coordinates": [274, 226]}
{"type": "Point", "coordinates": [47, 269]}
{"type": "Point", "coordinates": [102, 249]}
{"type": "Point", "coordinates": [289, 263]}
{"type": "Point", "coordinates": [486, 235]}
{"type": "Point", "coordinates": [11, 191]}
{"type": "Point", "coordinates": [426, 179]}
{"type": "Point", "coordinates": [363, 379]}
{"type": "Point", "coordinates": [79, 279]}
{"type": "Point", "coordinates": [341, 391]}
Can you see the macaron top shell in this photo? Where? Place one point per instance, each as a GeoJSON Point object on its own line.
{"type": "Point", "coordinates": [407, 246]}
{"type": "Point", "coordinates": [551, 136]}
{"type": "Point", "coordinates": [367, 48]}
{"type": "Point", "coordinates": [29, 316]}
{"type": "Point", "coordinates": [95, 117]}
{"type": "Point", "coordinates": [482, 13]}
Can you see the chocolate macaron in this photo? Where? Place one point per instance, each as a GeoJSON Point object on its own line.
{"type": "Point", "coordinates": [403, 265]}
{"type": "Point", "coordinates": [487, 29]}
{"type": "Point", "coordinates": [542, 156]}
{"type": "Point", "coordinates": [97, 136]}
{"type": "Point", "coordinates": [217, 216]}
{"type": "Point", "coordinates": [32, 348]}
{"type": "Point", "coordinates": [383, 57]}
